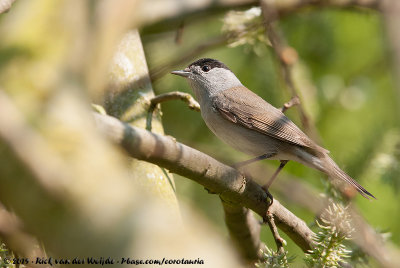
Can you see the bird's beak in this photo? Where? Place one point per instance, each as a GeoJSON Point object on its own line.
{"type": "Point", "coordinates": [185, 73]}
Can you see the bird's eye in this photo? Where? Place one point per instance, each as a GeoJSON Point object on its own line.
{"type": "Point", "coordinates": [206, 68]}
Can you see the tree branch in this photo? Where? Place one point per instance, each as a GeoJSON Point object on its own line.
{"type": "Point", "coordinates": [285, 7]}
{"type": "Point", "coordinates": [292, 102]}
{"type": "Point", "coordinates": [244, 229]}
{"type": "Point", "coordinates": [391, 18]}
{"type": "Point", "coordinates": [231, 185]}
{"type": "Point", "coordinates": [175, 95]}
{"type": "Point", "coordinates": [287, 57]}
{"type": "Point", "coordinates": [279, 241]}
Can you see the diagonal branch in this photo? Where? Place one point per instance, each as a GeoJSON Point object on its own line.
{"type": "Point", "coordinates": [279, 241]}
{"type": "Point", "coordinates": [219, 178]}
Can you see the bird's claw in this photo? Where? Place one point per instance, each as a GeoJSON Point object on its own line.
{"type": "Point", "coordinates": [271, 198]}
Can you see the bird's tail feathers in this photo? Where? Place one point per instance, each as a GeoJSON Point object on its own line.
{"type": "Point", "coordinates": [336, 173]}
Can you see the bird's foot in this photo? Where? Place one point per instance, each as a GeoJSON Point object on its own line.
{"type": "Point", "coordinates": [270, 197]}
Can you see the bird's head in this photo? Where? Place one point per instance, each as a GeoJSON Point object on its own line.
{"type": "Point", "coordinates": [209, 76]}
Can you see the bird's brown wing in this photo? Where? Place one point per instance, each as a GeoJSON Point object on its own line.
{"type": "Point", "coordinates": [242, 106]}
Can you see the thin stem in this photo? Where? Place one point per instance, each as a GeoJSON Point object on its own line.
{"type": "Point", "coordinates": [279, 241]}
{"type": "Point", "coordinates": [292, 102]}
{"type": "Point", "coordinates": [175, 95]}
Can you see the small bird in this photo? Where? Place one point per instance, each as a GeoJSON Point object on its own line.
{"type": "Point", "coordinates": [248, 123]}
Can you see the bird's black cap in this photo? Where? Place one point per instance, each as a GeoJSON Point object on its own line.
{"type": "Point", "coordinates": [210, 62]}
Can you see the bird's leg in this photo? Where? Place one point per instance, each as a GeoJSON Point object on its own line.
{"type": "Point", "coordinates": [255, 159]}
{"type": "Point", "coordinates": [268, 184]}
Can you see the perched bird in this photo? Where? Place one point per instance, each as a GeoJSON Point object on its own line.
{"type": "Point", "coordinates": [251, 125]}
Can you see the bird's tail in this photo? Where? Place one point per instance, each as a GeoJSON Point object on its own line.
{"type": "Point", "coordinates": [336, 173]}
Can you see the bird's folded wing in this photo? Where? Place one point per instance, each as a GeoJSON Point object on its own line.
{"type": "Point", "coordinates": [242, 106]}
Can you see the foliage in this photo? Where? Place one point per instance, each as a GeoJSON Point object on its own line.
{"type": "Point", "coordinates": [245, 28]}
{"type": "Point", "coordinates": [387, 160]}
{"type": "Point", "coordinates": [274, 259]}
{"type": "Point", "coordinates": [335, 227]}
{"type": "Point", "coordinates": [5, 256]}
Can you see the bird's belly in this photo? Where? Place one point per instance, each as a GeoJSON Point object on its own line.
{"type": "Point", "coordinates": [240, 138]}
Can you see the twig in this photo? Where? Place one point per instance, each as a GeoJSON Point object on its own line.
{"type": "Point", "coordinates": [391, 18]}
{"type": "Point", "coordinates": [282, 50]}
{"type": "Point", "coordinates": [287, 57]}
{"type": "Point", "coordinates": [287, 7]}
{"type": "Point", "coordinates": [231, 185]}
{"type": "Point", "coordinates": [292, 102]}
{"type": "Point", "coordinates": [179, 33]}
{"type": "Point", "coordinates": [279, 241]}
{"type": "Point", "coordinates": [175, 95]}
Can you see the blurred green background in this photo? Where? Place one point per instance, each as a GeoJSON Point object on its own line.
{"type": "Point", "coordinates": [346, 83]}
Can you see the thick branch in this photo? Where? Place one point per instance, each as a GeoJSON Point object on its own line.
{"type": "Point", "coordinates": [244, 229]}
{"type": "Point", "coordinates": [218, 178]}
{"type": "Point", "coordinates": [126, 98]}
